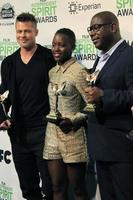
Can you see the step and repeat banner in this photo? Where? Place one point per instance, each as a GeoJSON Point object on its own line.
{"type": "Point", "coordinates": [51, 16]}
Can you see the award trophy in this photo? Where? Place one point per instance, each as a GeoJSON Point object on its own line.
{"type": "Point", "coordinates": [91, 78]}
{"type": "Point", "coordinates": [3, 114]}
{"type": "Point", "coordinates": [54, 116]}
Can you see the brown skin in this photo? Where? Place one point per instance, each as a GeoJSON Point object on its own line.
{"type": "Point", "coordinates": [61, 48]}
{"type": "Point", "coordinates": [107, 35]}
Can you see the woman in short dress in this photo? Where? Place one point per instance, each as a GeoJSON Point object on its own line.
{"type": "Point", "coordinates": [65, 142]}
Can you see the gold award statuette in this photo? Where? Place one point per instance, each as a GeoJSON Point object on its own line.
{"type": "Point", "coordinates": [91, 78]}
{"type": "Point", "coordinates": [54, 116]}
{"type": "Point", "coordinates": [3, 114]}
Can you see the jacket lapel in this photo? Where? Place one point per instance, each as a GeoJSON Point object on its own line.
{"type": "Point", "coordinates": [111, 60]}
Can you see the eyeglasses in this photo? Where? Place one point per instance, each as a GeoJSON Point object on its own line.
{"type": "Point", "coordinates": [96, 27]}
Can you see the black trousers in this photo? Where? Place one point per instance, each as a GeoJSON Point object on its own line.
{"type": "Point", "coordinates": [30, 166]}
{"type": "Point", "coordinates": [115, 180]}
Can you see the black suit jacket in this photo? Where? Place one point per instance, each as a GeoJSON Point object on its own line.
{"type": "Point", "coordinates": [8, 76]}
{"type": "Point", "coordinates": [109, 125]}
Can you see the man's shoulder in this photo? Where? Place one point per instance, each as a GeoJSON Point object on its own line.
{"type": "Point", "coordinates": [44, 49]}
{"type": "Point", "coordinates": [126, 45]}
{"type": "Point", "coordinates": [11, 57]}
{"type": "Point", "coordinates": [128, 52]}
{"type": "Point", "coordinates": [47, 56]}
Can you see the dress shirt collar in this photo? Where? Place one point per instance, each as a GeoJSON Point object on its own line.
{"type": "Point", "coordinates": [110, 52]}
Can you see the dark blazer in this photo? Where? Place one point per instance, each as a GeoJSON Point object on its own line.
{"type": "Point", "coordinates": [109, 126]}
{"type": "Point", "coordinates": [8, 76]}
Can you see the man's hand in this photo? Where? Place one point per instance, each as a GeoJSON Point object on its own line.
{"type": "Point", "coordinates": [5, 125]}
{"type": "Point", "coordinates": [132, 110]}
{"type": "Point", "coordinates": [93, 94]}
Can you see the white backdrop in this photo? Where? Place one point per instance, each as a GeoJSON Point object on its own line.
{"type": "Point", "coordinates": [52, 15]}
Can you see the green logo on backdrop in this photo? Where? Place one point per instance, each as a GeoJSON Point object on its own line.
{"type": "Point", "coordinates": [7, 47]}
{"type": "Point", "coordinates": [125, 7]}
{"type": "Point", "coordinates": [44, 11]}
{"type": "Point", "coordinates": [6, 193]}
{"type": "Point", "coordinates": [85, 50]}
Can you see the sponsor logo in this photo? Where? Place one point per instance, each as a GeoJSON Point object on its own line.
{"type": "Point", "coordinates": [6, 14]}
{"type": "Point", "coordinates": [5, 156]}
{"type": "Point", "coordinates": [7, 47]}
{"type": "Point", "coordinates": [76, 7]}
{"type": "Point", "coordinates": [7, 11]}
{"type": "Point", "coordinates": [6, 192]}
{"type": "Point", "coordinates": [125, 7]}
{"type": "Point", "coordinates": [44, 11]}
